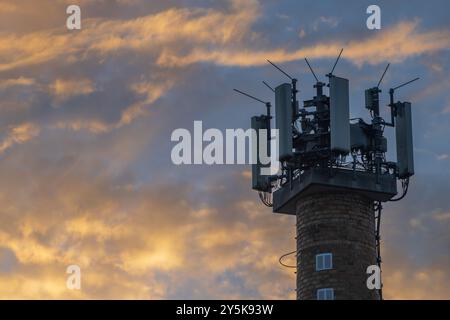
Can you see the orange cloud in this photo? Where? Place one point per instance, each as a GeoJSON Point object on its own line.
{"type": "Point", "coordinates": [152, 33]}
{"type": "Point", "coordinates": [70, 202]}
{"type": "Point", "coordinates": [392, 44]}
{"type": "Point", "coordinates": [63, 90]}
{"type": "Point", "coordinates": [19, 135]}
{"type": "Point", "coordinates": [21, 81]}
{"type": "Point", "coordinates": [151, 91]}
{"type": "Point", "coordinates": [6, 7]}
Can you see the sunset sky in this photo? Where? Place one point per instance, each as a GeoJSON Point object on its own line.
{"type": "Point", "coordinates": [86, 118]}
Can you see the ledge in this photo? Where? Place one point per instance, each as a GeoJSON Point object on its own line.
{"type": "Point", "coordinates": [319, 180]}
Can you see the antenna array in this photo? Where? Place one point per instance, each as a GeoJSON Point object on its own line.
{"type": "Point", "coordinates": [319, 135]}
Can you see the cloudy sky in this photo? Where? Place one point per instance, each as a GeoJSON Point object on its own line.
{"type": "Point", "coordinates": [85, 122]}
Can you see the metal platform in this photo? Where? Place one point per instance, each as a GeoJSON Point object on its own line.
{"type": "Point", "coordinates": [324, 180]}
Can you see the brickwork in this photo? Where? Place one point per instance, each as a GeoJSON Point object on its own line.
{"type": "Point", "coordinates": [342, 224]}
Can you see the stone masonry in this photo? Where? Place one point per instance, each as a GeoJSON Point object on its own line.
{"type": "Point", "coordinates": [341, 223]}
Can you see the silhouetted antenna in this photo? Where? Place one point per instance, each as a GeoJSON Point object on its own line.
{"type": "Point", "coordinates": [250, 96]}
{"type": "Point", "coordinates": [391, 91]}
{"type": "Point", "coordinates": [312, 71]}
{"type": "Point", "coordinates": [337, 60]}
{"type": "Point", "coordinates": [406, 83]}
{"type": "Point", "coordinates": [279, 69]}
{"type": "Point", "coordinates": [267, 104]}
{"type": "Point", "coordinates": [294, 88]}
{"type": "Point", "coordinates": [381, 79]}
{"type": "Point", "coordinates": [268, 86]}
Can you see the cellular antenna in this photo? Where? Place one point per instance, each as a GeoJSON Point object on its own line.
{"type": "Point", "coordinates": [337, 60]}
{"type": "Point", "coordinates": [250, 96]}
{"type": "Point", "coordinates": [294, 88]}
{"type": "Point", "coordinates": [266, 103]}
{"type": "Point", "coordinates": [261, 119]}
{"type": "Point", "coordinates": [279, 69]}
{"type": "Point", "coordinates": [391, 96]}
{"type": "Point", "coordinates": [312, 71]}
{"type": "Point", "coordinates": [381, 79]}
{"type": "Point", "coordinates": [406, 83]}
{"type": "Point", "coordinates": [268, 86]}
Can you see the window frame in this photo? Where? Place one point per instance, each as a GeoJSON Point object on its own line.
{"type": "Point", "coordinates": [321, 257]}
{"type": "Point", "coordinates": [325, 292]}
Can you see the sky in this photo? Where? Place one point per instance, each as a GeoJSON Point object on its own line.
{"type": "Point", "coordinates": [86, 118]}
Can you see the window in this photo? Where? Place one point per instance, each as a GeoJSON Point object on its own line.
{"type": "Point", "coordinates": [325, 294]}
{"type": "Point", "coordinates": [324, 261]}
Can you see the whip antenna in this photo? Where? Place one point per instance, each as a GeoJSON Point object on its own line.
{"type": "Point", "coordinates": [337, 60]}
{"type": "Point", "coordinates": [381, 79]}
{"type": "Point", "coordinates": [268, 86]}
{"type": "Point", "coordinates": [312, 71]}
{"type": "Point", "coordinates": [250, 96]}
{"type": "Point", "coordinates": [406, 83]}
{"type": "Point", "coordinates": [279, 69]}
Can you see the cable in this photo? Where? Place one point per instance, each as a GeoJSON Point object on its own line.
{"type": "Point", "coordinates": [405, 185]}
{"type": "Point", "coordinates": [265, 198]}
{"type": "Point", "coordinates": [378, 207]}
{"type": "Point", "coordinates": [280, 260]}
